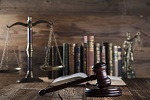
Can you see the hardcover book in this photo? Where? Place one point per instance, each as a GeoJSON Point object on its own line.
{"type": "Point", "coordinates": [90, 54]}
{"type": "Point", "coordinates": [84, 57]}
{"type": "Point", "coordinates": [50, 62]}
{"type": "Point", "coordinates": [96, 53]}
{"type": "Point", "coordinates": [109, 57]}
{"type": "Point", "coordinates": [77, 67]}
{"type": "Point", "coordinates": [103, 53]}
{"type": "Point", "coordinates": [54, 61]}
{"type": "Point", "coordinates": [119, 61]}
{"type": "Point", "coordinates": [115, 61]}
{"type": "Point", "coordinates": [71, 58]}
{"type": "Point", "coordinates": [66, 58]}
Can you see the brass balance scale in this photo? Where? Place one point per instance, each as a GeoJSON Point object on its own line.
{"type": "Point", "coordinates": [29, 50]}
{"type": "Point", "coordinates": [46, 66]}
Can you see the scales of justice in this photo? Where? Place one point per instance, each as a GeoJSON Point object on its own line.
{"type": "Point", "coordinates": [29, 50]}
{"type": "Point", "coordinates": [129, 45]}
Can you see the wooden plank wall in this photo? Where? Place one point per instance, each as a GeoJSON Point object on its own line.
{"type": "Point", "coordinates": [107, 20]}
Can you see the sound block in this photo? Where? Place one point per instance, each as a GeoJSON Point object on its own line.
{"type": "Point", "coordinates": [104, 92]}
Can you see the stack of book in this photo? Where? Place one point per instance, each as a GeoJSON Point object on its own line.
{"type": "Point", "coordinates": [82, 57]}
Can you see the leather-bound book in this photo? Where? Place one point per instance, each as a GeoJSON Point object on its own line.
{"type": "Point", "coordinates": [50, 62]}
{"type": "Point", "coordinates": [119, 61]}
{"type": "Point", "coordinates": [90, 54]}
{"type": "Point", "coordinates": [109, 57]}
{"type": "Point", "coordinates": [77, 67]}
{"type": "Point", "coordinates": [66, 58]}
{"type": "Point", "coordinates": [115, 60]}
{"type": "Point", "coordinates": [71, 57]}
{"type": "Point", "coordinates": [102, 53]}
{"type": "Point", "coordinates": [96, 53]}
{"type": "Point", "coordinates": [56, 60]}
{"type": "Point", "coordinates": [84, 58]}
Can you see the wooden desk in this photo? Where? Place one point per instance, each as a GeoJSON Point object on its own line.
{"type": "Point", "coordinates": [136, 89]}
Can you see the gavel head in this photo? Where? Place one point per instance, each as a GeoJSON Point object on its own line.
{"type": "Point", "coordinates": [102, 79]}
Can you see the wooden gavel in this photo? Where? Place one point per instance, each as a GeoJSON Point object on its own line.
{"type": "Point", "coordinates": [102, 89]}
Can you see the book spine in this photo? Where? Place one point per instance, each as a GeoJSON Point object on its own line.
{"type": "Point", "coordinates": [59, 58]}
{"type": "Point", "coordinates": [115, 60]}
{"type": "Point", "coordinates": [90, 55]}
{"type": "Point", "coordinates": [119, 61]}
{"type": "Point", "coordinates": [49, 56]}
{"type": "Point", "coordinates": [109, 58]}
{"type": "Point", "coordinates": [49, 59]}
{"type": "Point", "coordinates": [102, 53]}
{"type": "Point", "coordinates": [106, 44]}
{"type": "Point", "coordinates": [96, 53]}
{"type": "Point", "coordinates": [54, 56]}
{"type": "Point", "coordinates": [84, 58]}
{"type": "Point", "coordinates": [110, 64]}
{"type": "Point", "coordinates": [56, 61]}
{"type": "Point", "coordinates": [66, 58]}
{"type": "Point", "coordinates": [71, 58]}
{"type": "Point", "coordinates": [77, 67]}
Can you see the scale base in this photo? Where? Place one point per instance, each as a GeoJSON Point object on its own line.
{"type": "Point", "coordinates": [129, 74]}
{"type": "Point", "coordinates": [25, 80]}
{"type": "Point", "coordinates": [105, 92]}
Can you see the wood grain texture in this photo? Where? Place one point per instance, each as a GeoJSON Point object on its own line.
{"type": "Point", "coordinates": [107, 20]}
{"type": "Point", "coordinates": [135, 89]}
{"type": "Point", "coordinates": [78, 7]}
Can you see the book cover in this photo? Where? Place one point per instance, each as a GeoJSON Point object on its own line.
{"type": "Point", "coordinates": [109, 57]}
{"type": "Point", "coordinates": [49, 60]}
{"type": "Point", "coordinates": [102, 53]}
{"type": "Point", "coordinates": [84, 57]}
{"type": "Point", "coordinates": [77, 67]}
{"type": "Point", "coordinates": [115, 60]}
{"type": "Point", "coordinates": [56, 60]}
{"type": "Point", "coordinates": [55, 57]}
{"type": "Point", "coordinates": [66, 58]}
{"type": "Point", "coordinates": [96, 53]}
{"type": "Point", "coordinates": [71, 57]}
{"type": "Point", "coordinates": [119, 61]}
{"type": "Point", "coordinates": [90, 54]}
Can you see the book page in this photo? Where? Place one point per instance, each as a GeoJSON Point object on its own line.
{"type": "Point", "coordinates": [68, 78]}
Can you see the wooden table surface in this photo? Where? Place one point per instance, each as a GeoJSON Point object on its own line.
{"type": "Point", "coordinates": [136, 89]}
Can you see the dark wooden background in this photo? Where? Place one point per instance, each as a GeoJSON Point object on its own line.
{"type": "Point", "coordinates": [107, 20]}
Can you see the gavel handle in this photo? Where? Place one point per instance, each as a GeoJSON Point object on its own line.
{"type": "Point", "coordinates": [65, 85]}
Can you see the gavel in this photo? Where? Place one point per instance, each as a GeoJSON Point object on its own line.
{"type": "Point", "coordinates": [102, 88]}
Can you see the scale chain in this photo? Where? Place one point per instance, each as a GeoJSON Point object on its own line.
{"type": "Point", "coordinates": [52, 34]}
{"type": "Point", "coordinates": [4, 50]}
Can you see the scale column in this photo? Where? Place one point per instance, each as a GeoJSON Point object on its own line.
{"type": "Point", "coordinates": [29, 75]}
{"type": "Point", "coordinates": [29, 48]}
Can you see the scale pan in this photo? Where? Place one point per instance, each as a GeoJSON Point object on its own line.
{"type": "Point", "coordinates": [12, 70]}
{"type": "Point", "coordinates": [50, 68]}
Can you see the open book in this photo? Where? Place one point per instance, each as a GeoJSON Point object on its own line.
{"type": "Point", "coordinates": [117, 81]}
